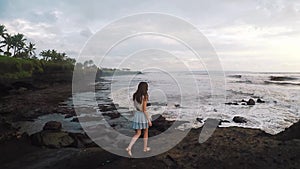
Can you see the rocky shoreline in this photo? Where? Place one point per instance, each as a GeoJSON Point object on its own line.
{"type": "Point", "coordinates": [230, 147]}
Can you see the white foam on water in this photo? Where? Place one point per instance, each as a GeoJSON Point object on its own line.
{"type": "Point", "coordinates": [280, 111]}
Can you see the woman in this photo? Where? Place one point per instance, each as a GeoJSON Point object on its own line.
{"type": "Point", "coordinates": [141, 119]}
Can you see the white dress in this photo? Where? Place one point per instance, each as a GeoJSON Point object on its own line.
{"type": "Point", "coordinates": [139, 120]}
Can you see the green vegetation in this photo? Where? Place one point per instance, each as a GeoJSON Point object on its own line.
{"type": "Point", "coordinates": [15, 68]}
{"type": "Point", "coordinates": [18, 59]}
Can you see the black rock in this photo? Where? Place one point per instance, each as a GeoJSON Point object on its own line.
{"type": "Point", "coordinates": [107, 107]}
{"type": "Point", "coordinates": [224, 121]}
{"type": "Point", "coordinates": [112, 115]}
{"type": "Point", "coordinates": [235, 76]}
{"type": "Point", "coordinates": [199, 119]}
{"type": "Point", "coordinates": [232, 103]}
{"type": "Point", "coordinates": [75, 119]}
{"type": "Point", "coordinates": [239, 119]}
{"type": "Point", "coordinates": [177, 105]}
{"type": "Point", "coordinates": [68, 116]}
{"type": "Point", "coordinates": [250, 102]}
{"type": "Point", "coordinates": [52, 125]}
{"type": "Point", "coordinates": [52, 139]}
{"type": "Point", "coordinates": [260, 101]}
{"type": "Point", "coordinates": [281, 78]}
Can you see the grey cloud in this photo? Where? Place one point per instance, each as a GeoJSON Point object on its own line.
{"type": "Point", "coordinates": [66, 25]}
{"type": "Point", "coordinates": [86, 33]}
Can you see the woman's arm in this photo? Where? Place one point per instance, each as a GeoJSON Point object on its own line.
{"type": "Point", "coordinates": [144, 107]}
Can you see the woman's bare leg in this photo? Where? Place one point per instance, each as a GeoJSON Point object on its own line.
{"type": "Point", "coordinates": [145, 138]}
{"type": "Point", "coordinates": [134, 138]}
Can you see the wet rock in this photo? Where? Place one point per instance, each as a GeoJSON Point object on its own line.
{"type": "Point", "coordinates": [86, 119]}
{"type": "Point", "coordinates": [260, 101]}
{"type": "Point", "coordinates": [281, 78]}
{"type": "Point", "coordinates": [107, 107]}
{"type": "Point", "coordinates": [224, 121]}
{"type": "Point", "coordinates": [251, 102]}
{"type": "Point", "coordinates": [177, 105]}
{"type": "Point", "coordinates": [231, 103]}
{"type": "Point", "coordinates": [239, 119]}
{"type": "Point", "coordinates": [235, 76]}
{"type": "Point", "coordinates": [112, 115]}
{"type": "Point", "coordinates": [52, 125]}
{"type": "Point", "coordinates": [68, 116]}
{"type": "Point", "coordinates": [75, 119]}
{"type": "Point", "coordinates": [199, 119]}
{"type": "Point", "coordinates": [52, 139]}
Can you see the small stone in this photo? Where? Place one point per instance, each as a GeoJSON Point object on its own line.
{"type": "Point", "coordinates": [239, 119]}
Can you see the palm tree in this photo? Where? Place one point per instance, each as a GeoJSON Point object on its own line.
{"type": "Point", "coordinates": [3, 34]}
{"type": "Point", "coordinates": [3, 31]}
{"type": "Point", "coordinates": [30, 50]}
{"type": "Point", "coordinates": [18, 43]}
{"type": "Point", "coordinates": [46, 54]}
{"type": "Point", "coordinates": [8, 42]}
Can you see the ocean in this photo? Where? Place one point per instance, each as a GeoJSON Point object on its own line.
{"type": "Point", "coordinates": [187, 96]}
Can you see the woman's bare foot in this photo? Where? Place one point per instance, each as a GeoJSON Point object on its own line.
{"type": "Point", "coordinates": [129, 152]}
{"type": "Point", "coordinates": [147, 149]}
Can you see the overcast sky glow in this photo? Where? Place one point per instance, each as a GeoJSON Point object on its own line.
{"type": "Point", "coordinates": [249, 35]}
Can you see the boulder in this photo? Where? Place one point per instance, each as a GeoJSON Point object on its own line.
{"type": "Point", "coordinates": [52, 125]}
{"type": "Point", "coordinates": [239, 119]}
{"type": "Point", "coordinates": [52, 139]}
{"type": "Point", "coordinates": [250, 102]}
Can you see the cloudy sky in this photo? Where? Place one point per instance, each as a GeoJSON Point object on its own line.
{"type": "Point", "coordinates": [248, 35]}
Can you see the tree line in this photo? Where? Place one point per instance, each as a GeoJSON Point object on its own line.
{"type": "Point", "coordinates": [16, 46]}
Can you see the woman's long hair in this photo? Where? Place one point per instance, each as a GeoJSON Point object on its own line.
{"type": "Point", "coordinates": [141, 91]}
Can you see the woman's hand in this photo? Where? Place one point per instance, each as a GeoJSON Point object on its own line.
{"type": "Point", "coordinates": [149, 122]}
